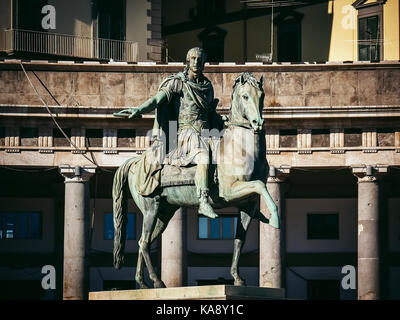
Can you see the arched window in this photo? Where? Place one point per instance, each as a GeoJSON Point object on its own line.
{"type": "Point", "coordinates": [370, 30]}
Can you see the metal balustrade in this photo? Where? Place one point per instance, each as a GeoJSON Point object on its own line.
{"type": "Point", "coordinates": [67, 45]}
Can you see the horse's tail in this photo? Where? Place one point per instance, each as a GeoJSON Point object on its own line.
{"type": "Point", "coordinates": [120, 193]}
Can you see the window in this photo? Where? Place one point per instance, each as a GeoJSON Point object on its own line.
{"type": "Point", "coordinates": [219, 228]}
{"type": "Point", "coordinates": [126, 138]}
{"type": "Point", "coordinates": [370, 29]}
{"type": "Point", "coordinates": [20, 225]}
{"type": "Point", "coordinates": [320, 138]}
{"type": "Point", "coordinates": [29, 136]}
{"type": "Point", "coordinates": [59, 139]}
{"type": "Point", "coordinates": [322, 226]}
{"type": "Point", "coordinates": [288, 138]}
{"type": "Point", "coordinates": [109, 227]}
{"type": "Point", "coordinates": [94, 137]}
{"type": "Point", "coordinates": [368, 36]}
{"type": "Point", "coordinates": [352, 137]}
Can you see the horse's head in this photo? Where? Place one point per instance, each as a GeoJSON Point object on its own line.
{"type": "Point", "coordinates": [248, 101]}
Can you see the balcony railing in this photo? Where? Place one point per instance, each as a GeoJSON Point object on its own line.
{"type": "Point", "coordinates": [14, 40]}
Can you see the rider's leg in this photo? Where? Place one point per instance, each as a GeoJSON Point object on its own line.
{"type": "Point", "coordinates": [201, 181]}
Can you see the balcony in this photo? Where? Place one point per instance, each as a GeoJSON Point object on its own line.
{"type": "Point", "coordinates": [14, 40]}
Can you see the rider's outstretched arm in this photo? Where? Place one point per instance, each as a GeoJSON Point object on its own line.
{"type": "Point", "coordinates": [153, 102]}
{"type": "Point", "coordinates": [146, 107]}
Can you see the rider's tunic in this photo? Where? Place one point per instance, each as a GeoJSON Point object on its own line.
{"type": "Point", "coordinates": [192, 103]}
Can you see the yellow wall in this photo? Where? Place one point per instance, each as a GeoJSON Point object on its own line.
{"type": "Point", "coordinates": [391, 30]}
{"type": "Point", "coordinates": [343, 44]}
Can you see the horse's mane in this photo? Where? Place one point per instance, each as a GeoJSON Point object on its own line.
{"type": "Point", "coordinates": [246, 77]}
{"type": "Point", "coordinates": [243, 78]}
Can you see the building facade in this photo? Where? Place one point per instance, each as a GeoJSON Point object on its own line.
{"type": "Point", "coordinates": [122, 30]}
{"type": "Point", "coordinates": [333, 139]}
{"type": "Point", "coordinates": [332, 134]}
{"type": "Point", "coordinates": [235, 31]}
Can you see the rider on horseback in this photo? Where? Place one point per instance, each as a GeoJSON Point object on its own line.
{"type": "Point", "coordinates": [189, 96]}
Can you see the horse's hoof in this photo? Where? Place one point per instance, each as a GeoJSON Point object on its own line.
{"type": "Point", "coordinates": [159, 284]}
{"type": "Point", "coordinates": [240, 283]}
{"type": "Point", "coordinates": [143, 286]}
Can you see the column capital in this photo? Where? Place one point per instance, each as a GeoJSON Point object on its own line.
{"type": "Point", "coordinates": [76, 174]}
{"type": "Point", "coordinates": [369, 173]}
{"type": "Point", "coordinates": [278, 175]}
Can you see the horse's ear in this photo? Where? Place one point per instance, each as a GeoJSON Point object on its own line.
{"type": "Point", "coordinates": [261, 81]}
{"type": "Point", "coordinates": [242, 79]}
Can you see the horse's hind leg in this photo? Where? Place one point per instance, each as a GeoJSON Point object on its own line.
{"type": "Point", "coordinates": [149, 222]}
{"type": "Point", "coordinates": [245, 217]}
{"type": "Point", "coordinates": [159, 228]}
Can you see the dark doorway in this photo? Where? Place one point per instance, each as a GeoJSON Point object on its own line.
{"type": "Point", "coordinates": [111, 19]}
{"type": "Point", "coordinates": [289, 40]}
{"type": "Point", "coordinates": [28, 14]}
{"type": "Point", "coordinates": [213, 43]}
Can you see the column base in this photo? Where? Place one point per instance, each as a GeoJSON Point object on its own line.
{"type": "Point", "coordinates": [215, 292]}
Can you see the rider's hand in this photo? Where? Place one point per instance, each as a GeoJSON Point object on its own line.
{"type": "Point", "coordinates": [135, 113]}
{"type": "Point", "coordinates": [132, 112]}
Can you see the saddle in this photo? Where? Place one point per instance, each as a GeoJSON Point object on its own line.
{"type": "Point", "coordinates": [179, 176]}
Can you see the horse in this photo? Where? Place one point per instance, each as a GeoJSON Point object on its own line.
{"type": "Point", "coordinates": [241, 175]}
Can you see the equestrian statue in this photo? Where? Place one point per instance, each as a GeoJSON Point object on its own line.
{"type": "Point", "coordinates": [211, 162]}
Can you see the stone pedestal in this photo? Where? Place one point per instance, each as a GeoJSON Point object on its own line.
{"type": "Point", "coordinates": [368, 232]}
{"type": "Point", "coordinates": [173, 252]}
{"type": "Point", "coordinates": [216, 292]}
{"type": "Point", "coordinates": [76, 232]}
{"type": "Point", "coordinates": [272, 241]}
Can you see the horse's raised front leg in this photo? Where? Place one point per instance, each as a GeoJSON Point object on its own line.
{"type": "Point", "coordinates": [241, 229]}
{"type": "Point", "coordinates": [243, 189]}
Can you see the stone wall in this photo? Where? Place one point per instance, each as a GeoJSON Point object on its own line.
{"type": "Point", "coordinates": [118, 85]}
{"type": "Point", "coordinates": [316, 115]}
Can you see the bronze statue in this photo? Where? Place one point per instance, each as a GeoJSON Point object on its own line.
{"type": "Point", "coordinates": [190, 97]}
{"type": "Point", "coordinates": [241, 165]}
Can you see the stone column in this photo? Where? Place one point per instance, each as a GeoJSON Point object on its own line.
{"type": "Point", "coordinates": [173, 252]}
{"type": "Point", "coordinates": [272, 241]}
{"type": "Point", "coordinates": [76, 232]}
{"type": "Point", "coordinates": [368, 274]}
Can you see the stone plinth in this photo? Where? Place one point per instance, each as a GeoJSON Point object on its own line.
{"type": "Point", "coordinates": [215, 292]}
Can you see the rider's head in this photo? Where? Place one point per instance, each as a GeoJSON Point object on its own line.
{"type": "Point", "coordinates": [195, 59]}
